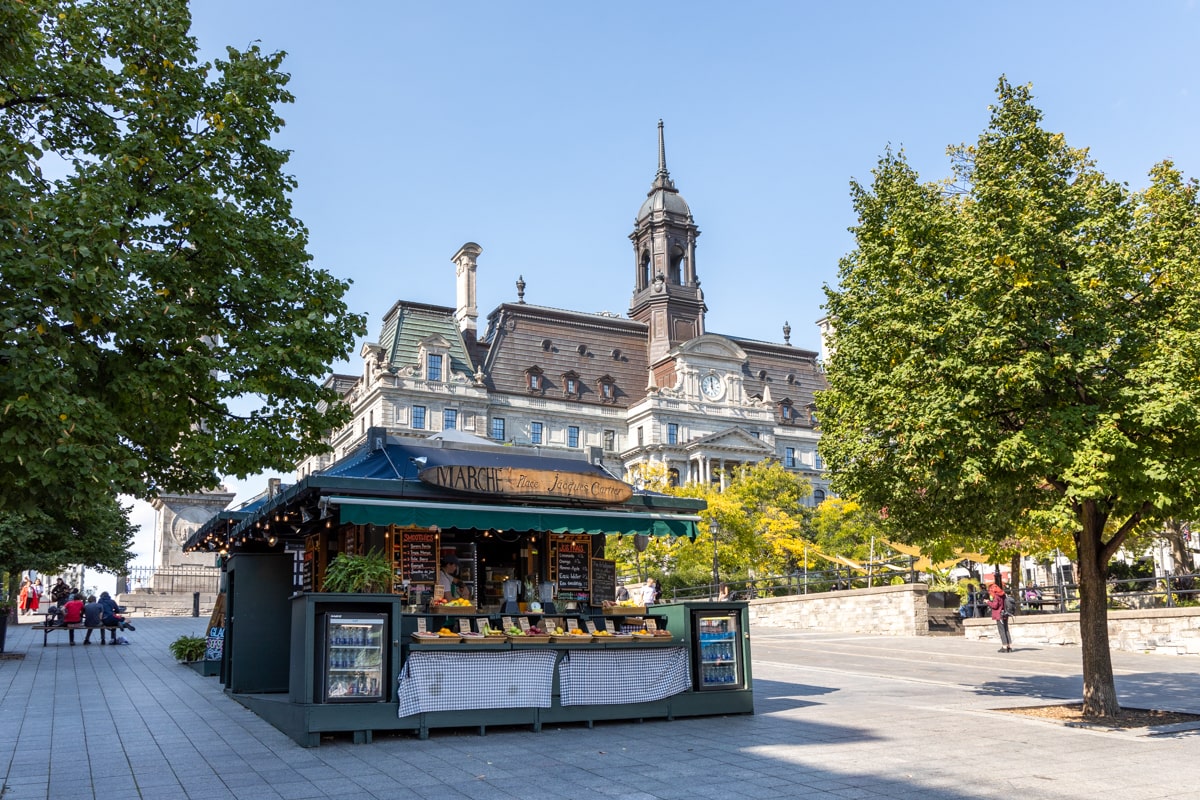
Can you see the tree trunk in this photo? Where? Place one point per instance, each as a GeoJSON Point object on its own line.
{"type": "Point", "coordinates": [1099, 689]}
{"type": "Point", "coordinates": [1014, 580]}
{"type": "Point", "coordinates": [1181, 555]}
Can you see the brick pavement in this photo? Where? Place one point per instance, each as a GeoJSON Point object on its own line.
{"type": "Point", "coordinates": [836, 716]}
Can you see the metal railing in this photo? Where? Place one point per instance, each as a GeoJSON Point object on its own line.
{"type": "Point", "coordinates": [172, 580]}
{"type": "Point", "coordinates": [873, 574]}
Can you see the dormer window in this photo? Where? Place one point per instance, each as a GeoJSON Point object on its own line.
{"type": "Point", "coordinates": [787, 412]}
{"type": "Point", "coordinates": [535, 381]}
{"type": "Point", "coordinates": [434, 354]}
{"type": "Point", "coordinates": [571, 384]}
{"type": "Point", "coordinates": [607, 389]}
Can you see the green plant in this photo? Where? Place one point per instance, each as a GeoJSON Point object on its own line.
{"type": "Point", "coordinates": [370, 572]}
{"type": "Point", "coordinates": [187, 648]}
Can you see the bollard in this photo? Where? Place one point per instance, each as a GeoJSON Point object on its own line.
{"type": "Point", "coordinates": [195, 604]}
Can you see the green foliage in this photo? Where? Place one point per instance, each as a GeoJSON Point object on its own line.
{"type": "Point", "coordinates": [369, 572]}
{"type": "Point", "coordinates": [188, 648]}
{"type": "Point", "coordinates": [1016, 352]}
{"type": "Point", "coordinates": [155, 282]}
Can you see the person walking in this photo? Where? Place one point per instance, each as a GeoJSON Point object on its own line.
{"type": "Point", "coordinates": [23, 597]}
{"type": "Point", "coordinates": [1000, 615]}
{"type": "Point", "coordinates": [35, 595]}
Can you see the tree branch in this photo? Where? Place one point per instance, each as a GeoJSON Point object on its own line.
{"type": "Point", "coordinates": [1109, 549]}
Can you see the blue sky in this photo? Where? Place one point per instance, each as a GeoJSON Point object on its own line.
{"type": "Point", "coordinates": [530, 128]}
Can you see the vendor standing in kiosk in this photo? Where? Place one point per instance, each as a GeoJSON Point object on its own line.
{"type": "Point", "coordinates": [452, 585]}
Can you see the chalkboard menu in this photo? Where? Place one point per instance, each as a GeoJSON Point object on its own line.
{"type": "Point", "coordinates": [572, 561]}
{"type": "Point", "coordinates": [604, 580]}
{"type": "Point", "coordinates": [419, 556]}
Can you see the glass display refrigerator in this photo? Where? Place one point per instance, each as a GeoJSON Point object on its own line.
{"type": "Point", "coordinates": [718, 654]}
{"type": "Point", "coordinates": [353, 668]}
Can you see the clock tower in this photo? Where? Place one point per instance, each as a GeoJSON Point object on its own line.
{"type": "Point", "coordinates": [666, 291]}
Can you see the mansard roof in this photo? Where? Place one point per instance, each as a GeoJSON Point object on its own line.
{"type": "Point", "coordinates": [561, 342]}
{"type": "Point", "coordinates": [786, 371]}
{"type": "Point", "coordinates": [406, 325]}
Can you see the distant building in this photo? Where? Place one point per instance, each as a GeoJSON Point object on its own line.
{"type": "Point", "coordinates": [655, 387]}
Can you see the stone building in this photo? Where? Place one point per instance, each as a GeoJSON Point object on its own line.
{"type": "Point", "coordinates": [653, 388]}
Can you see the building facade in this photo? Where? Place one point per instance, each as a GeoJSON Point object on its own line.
{"type": "Point", "coordinates": [653, 388]}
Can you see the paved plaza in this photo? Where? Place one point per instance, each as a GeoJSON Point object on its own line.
{"type": "Point", "coordinates": [837, 716]}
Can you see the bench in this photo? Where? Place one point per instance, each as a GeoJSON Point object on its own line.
{"type": "Point", "coordinates": [48, 629]}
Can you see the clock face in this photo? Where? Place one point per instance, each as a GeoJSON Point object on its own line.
{"type": "Point", "coordinates": [711, 386]}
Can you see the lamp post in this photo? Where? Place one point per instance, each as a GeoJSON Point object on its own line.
{"type": "Point", "coordinates": [716, 576]}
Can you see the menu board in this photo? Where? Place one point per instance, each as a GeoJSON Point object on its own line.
{"type": "Point", "coordinates": [419, 556]}
{"type": "Point", "coordinates": [604, 580]}
{"type": "Point", "coordinates": [572, 567]}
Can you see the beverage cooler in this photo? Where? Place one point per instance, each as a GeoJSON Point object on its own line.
{"type": "Point", "coordinates": [718, 654]}
{"type": "Point", "coordinates": [353, 667]}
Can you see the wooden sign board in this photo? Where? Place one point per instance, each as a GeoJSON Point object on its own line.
{"type": "Point", "coordinates": [604, 581]}
{"type": "Point", "coordinates": [520, 482]}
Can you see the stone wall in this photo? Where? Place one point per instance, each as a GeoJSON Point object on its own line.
{"type": "Point", "coordinates": [1162, 630]}
{"type": "Point", "coordinates": [885, 610]}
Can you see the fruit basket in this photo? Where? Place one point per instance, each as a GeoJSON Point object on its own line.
{"type": "Point", "coordinates": [435, 638]}
{"type": "Point", "coordinates": [529, 639]}
{"type": "Point", "coordinates": [646, 637]}
{"type": "Point", "coordinates": [623, 611]}
{"type": "Point", "coordinates": [452, 610]}
{"type": "Point", "coordinates": [480, 638]}
{"type": "Point", "coordinates": [615, 637]}
{"type": "Point", "coordinates": [569, 638]}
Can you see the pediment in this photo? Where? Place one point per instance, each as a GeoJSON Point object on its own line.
{"type": "Point", "coordinates": [730, 439]}
{"type": "Point", "coordinates": [434, 341]}
{"type": "Point", "coordinates": [711, 345]}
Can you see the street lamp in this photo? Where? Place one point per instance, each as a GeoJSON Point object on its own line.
{"type": "Point", "coordinates": [716, 576]}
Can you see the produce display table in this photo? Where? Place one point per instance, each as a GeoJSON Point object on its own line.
{"type": "Point", "coordinates": [452, 681]}
{"type": "Point", "coordinates": [624, 675]}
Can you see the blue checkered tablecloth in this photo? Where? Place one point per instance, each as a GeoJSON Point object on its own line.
{"type": "Point", "coordinates": [606, 677]}
{"type": "Point", "coordinates": [462, 681]}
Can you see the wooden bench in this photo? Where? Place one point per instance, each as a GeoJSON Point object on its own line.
{"type": "Point", "coordinates": [48, 629]}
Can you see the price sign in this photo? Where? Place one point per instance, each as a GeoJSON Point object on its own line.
{"type": "Point", "coordinates": [604, 581]}
{"type": "Point", "coordinates": [419, 556]}
{"type": "Point", "coordinates": [572, 562]}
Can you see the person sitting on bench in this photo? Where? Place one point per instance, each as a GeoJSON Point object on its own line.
{"type": "Point", "coordinates": [72, 615]}
{"type": "Point", "coordinates": [92, 614]}
{"type": "Point", "coordinates": [111, 618]}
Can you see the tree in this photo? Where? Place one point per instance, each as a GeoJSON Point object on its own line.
{"type": "Point", "coordinates": [156, 284]}
{"type": "Point", "coordinates": [1017, 348]}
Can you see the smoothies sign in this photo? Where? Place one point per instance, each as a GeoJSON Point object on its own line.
{"type": "Point", "coordinates": [518, 482]}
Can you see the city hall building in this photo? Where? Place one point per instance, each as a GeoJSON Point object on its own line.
{"type": "Point", "coordinates": [655, 387]}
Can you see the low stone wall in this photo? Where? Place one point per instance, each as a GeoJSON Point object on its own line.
{"type": "Point", "coordinates": [885, 610]}
{"type": "Point", "coordinates": [1163, 630]}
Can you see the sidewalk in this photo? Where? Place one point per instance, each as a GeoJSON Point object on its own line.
{"type": "Point", "coordinates": [836, 716]}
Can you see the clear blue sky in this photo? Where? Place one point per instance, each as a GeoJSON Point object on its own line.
{"type": "Point", "coordinates": [530, 128]}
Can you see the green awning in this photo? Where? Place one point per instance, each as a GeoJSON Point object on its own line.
{"type": "Point", "coordinates": [422, 514]}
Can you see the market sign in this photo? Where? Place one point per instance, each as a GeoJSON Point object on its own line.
{"type": "Point", "coordinates": [520, 482]}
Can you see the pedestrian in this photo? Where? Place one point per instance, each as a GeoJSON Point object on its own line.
{"type": "Point", "coordinates": [23, 597]}
{"type": "Point", "coordinates": [650, 592]}
{"type": "Point", "coordinates": [59, 592]}
{"type": "Point", "coordinates": [110, 617]}
{"type": "Point", "coordinates": [35, 595]}
{"type": "Point", "coordinates": [972, 605]}
{"type": "Point", "coordinates": [622, 593]}
{"type": "Point", "coordinates": [72, 615]}
{"type": "Point", "coordinates": [1000, 615]}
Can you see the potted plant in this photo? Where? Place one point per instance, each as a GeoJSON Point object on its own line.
{"type": "Point", "coordinates": [943, 592]}
{"type": "Point", "coordinates": [370, 572]}
{"type": "Point", "coordinates": [188, 648]}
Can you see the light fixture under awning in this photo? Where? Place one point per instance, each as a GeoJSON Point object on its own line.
{"type": "Point", "coordinates": [421, 514]}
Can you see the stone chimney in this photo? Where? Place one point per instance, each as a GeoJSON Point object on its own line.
{"type": "Point", "coordinates": [466, 311]}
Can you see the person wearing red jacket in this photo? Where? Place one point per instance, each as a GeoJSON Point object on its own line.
{"type": "Point", "coordinates": [996, 604]}
{"type": "Point", "coordinates": [72, 615]}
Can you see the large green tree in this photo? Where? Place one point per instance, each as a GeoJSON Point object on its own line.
{"type": "Point", "coordinates": [162, 323]}
{"type": "Point", "coordinates": [1019, 346]}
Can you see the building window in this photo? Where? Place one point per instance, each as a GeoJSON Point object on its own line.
{"type": "Point", "coordinates": [535, 432]}
{"type": "Point", "coordinates": [418, 420]}
{"type": "Point", "coordinates": [787, 414]}
{"type": "Point", "coordinates": [789, 457]}
{"type": "Point", "coordinates": [572, 436]}
{"type": "Point", "coordinates": [571, 385]}
{"type": "Point", "coordinates": [641, 436]}
{"type": "Point", "coordinates": [433, 370]}
{"type": "Point", "coordinates": [608, 389]}
{"type": "Point", "coordinates": [672, 433]}
{"type": "Point", "coordinates": [755, 434]}
{"type": "Point", "coordinates": [535, 381]}
{"type": "Point", "coordinates": [498, 428]}
{"type": "Point", "coordinates": [817, 462]}
{"type": "Point", "coordinates": [610, 441]}
{"type": "Point", "coordinates": [818, 497]}
{"type": "Point", "coordinates": [450, 419]}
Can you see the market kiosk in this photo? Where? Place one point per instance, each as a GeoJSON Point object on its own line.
{"type": "Point", "coordinates": [529, 534]}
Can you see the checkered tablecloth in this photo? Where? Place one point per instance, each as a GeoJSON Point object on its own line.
{"type": "Point", "coordinates": [462, 681]}
{"type": "Point", "coordinates": [606, 677]}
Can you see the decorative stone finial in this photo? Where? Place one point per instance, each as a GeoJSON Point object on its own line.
{"type": "Point", "coordinates": [787, 333]}
{"type": "Point", "coordinates": [520, 288]}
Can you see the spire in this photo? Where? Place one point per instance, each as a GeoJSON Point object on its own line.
{"type": "Point", "coordinates": [662, 178]}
